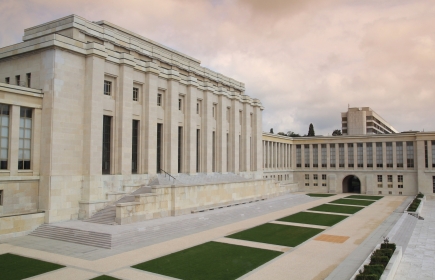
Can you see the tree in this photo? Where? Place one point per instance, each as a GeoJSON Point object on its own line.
{"type": "Point", "coordinates": [271, 130]}
{"type": "Point", "coordinates": [311, 130]}
{"type": "Point", "coordinates": [337, 132]}
{"type": "Point", "coordinates": [292, 134]}
{"type": "Point", "coordinates": [282, 133]}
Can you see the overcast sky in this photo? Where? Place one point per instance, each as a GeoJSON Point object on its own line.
{"type": "Point", "coordinates": [306, 60]}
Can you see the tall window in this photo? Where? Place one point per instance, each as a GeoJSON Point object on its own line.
{"type": "Point", "coordinates": [340, 155]}
{"type": "Point", "coordinates": [433, 184]}
{"type": "Point", "coordinates": [4, 136]}
{"type": "Point", "coordinates": [298, 156]}
{"type": "Point", "coordinates": [390, 178]}
{"type": "Point", "coordinates": [180, 148]}
{"type": "Point", "coordinates": [379, 161]}
{"type": "Point", "coordinates": [159, 99]}
{"type": "Point", "coordinates": [315, 155]}
{"type": "Point", "coordinates": [107, 87]}
{"type": "Point", "coordinates": [1, 197]}
{"type": "Point", "coordinates": [433, 153]}
{"type": "Point", "coordinates": [426, 156]}
{"type": "Point", "coordinates": [350, 157]}
{"type": "Point", "coordinates": [307, 155]}
{"type": "Point", "coordinates": [7, 80]}
{"type": "Point", "coordinates": [17, 80]}
{"type": "Point", "coordinates": [323, 151]}
{"type": "Point", "coordinates": [369, 150]}
{"type": "Point", "coordinates": [240, 117]}
{"type": "Point", "coordinates": [389, 153]}
{"type": "Point", "coordinates": [180, 104]}
{"type": "Point", "coordinates": [359, 156]}
{"type": "Point", "coordinates": [213, 152]}
{"type": "Point", "coordinates": [29, 79]}
{"type": "Point", "coordinates": [399, 154]}
{"type": "Point", "coordinates": [107, 131]}
{"type": "Point", "coordinates": [25, 138]}
{"type": "Point", "coordinates": [400, 178]}
{"type": "Point", "coordinates": [134, 147]}
{"type": "Point", "coordinates": [198, 150]}
{"type": "Point", "coordinates": [135, 94]}
{"type": "Point", "coordinates": [159, 147]}
{"type": "Point", "coordinates": [380, 178]}
{"type": "Point", "coordinates": [332, 155]}
{"type": "Point", "coordinates": [410, 154]}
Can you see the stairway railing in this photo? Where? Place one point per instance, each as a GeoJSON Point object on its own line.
{"type": "Point", "coordinates": [167, 174]}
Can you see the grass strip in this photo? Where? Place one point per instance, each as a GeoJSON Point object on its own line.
{"type": "Point", "coordinates": [369, 197]}
{"type": "Point", "coordinates": [320, 194]}
{"type": "Point", "coordinates": [314, 218]}
{"type": "Point", "coordinates": [277, 234]}
{"type": "Point", "coordinates": [104, 277]}
{"type": "Point", "coordinates": [352, 201]}
{"type": "Point", "coordinates": [211, 260]}
{"type": "Point", "coordinates": [18, 267]}
{"type": "Point", "coordinates": [337, 208]}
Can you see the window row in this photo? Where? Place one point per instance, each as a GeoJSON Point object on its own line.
{"type": "Point", "coordinates": [24, 140]}
{"type": "Point", "coordinates": [27, 82]}
{"type": "Point", "coordinates": [315, 176]}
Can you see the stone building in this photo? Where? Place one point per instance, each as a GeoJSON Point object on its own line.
{"type": "Point", "coordinates": [364, 120]}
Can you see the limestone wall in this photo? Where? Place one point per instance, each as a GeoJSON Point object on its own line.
{"type": "Point", "coordinates": [18, 225]}
{"type": "Point", "coordinates": [178, 200]}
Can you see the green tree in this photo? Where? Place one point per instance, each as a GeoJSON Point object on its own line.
{"type": "Point", "coordinates": [337, 132]}
{"type": "Point", "coordinates": [292, 134]}
{"type": "Point", "coordinates": [311, 130]}
{"type": "Point", "coordinates": [271, 130]}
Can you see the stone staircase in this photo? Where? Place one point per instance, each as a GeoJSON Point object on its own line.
{"type": "Point", "coordinates": [107, 215]}
{"type": "Point", "coordinates": [198, 179]}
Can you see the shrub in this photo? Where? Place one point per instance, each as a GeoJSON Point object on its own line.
{"type": "Point", "coordinates": [414, 205]}
{"type": "Point", "coordinates": [376, 260]}
{"type": "Point", "coordinates": [391, 246]}
{"type": "Point", "coordinates": [373, 270]}
{"type": "Point", "coordinates": [384, 252]}
{"type": "Point", "coordinates": [367, 277]}
{"type": "Point", "coordinates": [420, 195]}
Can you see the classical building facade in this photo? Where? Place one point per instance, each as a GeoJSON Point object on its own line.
{"type": "Point", "coordinates": [386, 164]}
{"type": "Point", "coordinates": [364, 120]}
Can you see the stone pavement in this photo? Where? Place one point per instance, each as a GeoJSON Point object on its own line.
{"type": "Point", "coordinates": [418, 261]}
{"type": "Point", "coordinates": [296, 263]}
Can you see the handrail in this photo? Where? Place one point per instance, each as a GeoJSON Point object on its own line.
{"type": "Point", "coordinates": [166, 173]}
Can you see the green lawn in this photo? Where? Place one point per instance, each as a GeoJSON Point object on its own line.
{"type": "Point", "coordinates": [352, 201]}
{"type": "Point", "coordinates": [369, 197]}
{"type": "Point", "coordinates": [284, 235]}
{"type": "Point", "coordinates": [211, 261]}
{"type": "Point", "coordinates": [314, 218]}
{"type": "Point", "coordinates": [18, 267]}
{"type": "Point", "coordinates": [104, 277]}
{"type": "Point", "coordinates": [320, 194]}
{"type": "Point", "coordinates": [337, 208]}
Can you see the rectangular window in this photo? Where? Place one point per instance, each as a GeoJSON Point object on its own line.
{"type": "Point", "coordinates": [107, 131]}
{"type": "Point", "coordinates": [379, 192]}
{"type": "Point", "coordinates": [369, 151]}
{"type": "Point", "coordinates": [315, 184]}
{"type": "Point", "coordinates": [307, 184]}
{"type": "Point", "coordinates": [389, 178]}
{"type": "Point", "coordinates": [433, 184]}
{"type": "Point", "coordinates": [390, 186]}
{"type": "Point", "coordinates": [214, 112]}
{"type": "Point", "coordinates": [298, 156]}
{"type": "Point", "coordinates": [400, 193]}
{"type": "Point", "coordinates": [389, 152]}
{"type": "Point", "coordinates": [400, 186]}
{"type": "Point", "coordinates": [240, 117]}
{"type": "Point", "coordinates": [1, 197]}
{"type": "Point", "coordinates": [135, 94]}
{"type": "Point", "coordinates": [380, 178]}
{"type": "Point", "coordinates": [359, 155]}
{"type": "Point", "coordinates": [29, 79]}
{"type": "Point", "coordinates": [315, 177]}
{"type": "Point", "coordinates": [180, 148]}
{"type": "Point", "coordinates": [251, 121]}
{"type": "Point", "coordinates": [433, 153]}
{"type": "Point", "coordinates": [332, 155]}
{"type": "Point", "coordinates": [379, 185]}
{"type": "Point", "coordinates": [426, 156]}
{"type": "Point", "coordinates": [159, 99]}
{"type": "Point", "coordinates": [7, 80]}
{"type": "Point", "coordinates": [323, 176]}
{"type": "Point", "coordinates": [323, 184]}
{"type": "Point", "coordinates": [213, 152]}
{"type": "Point", "coordinates": [107, 87]}
{"type": "Point", "coordinates": [400, 178]}
{"type": "Point", "coordinates": [307, 176]}
{"type": "Point", "coordinates": [4, 136]}
{"type": "Point", "coordinates": [410, 154]}
{"type": "Point", "coordinates": [25, 141]}
{"type": "Point", "coordinates": [198, 150]}
{"type": "Point", "coordinates": [315, 155]}
{"type": "Point", "coordinates": [134, 147]}
{"type": "Point", "coordinates": [379, 161]}
{"type": "Point", "coordinates": [228, 113]}
{"type": "Point", "coordinates": [350, 155]}
{"type": "Point", "coordinates": [180, 104]}
{"type": "Point", "coordinates": [323, 152]}
{"type": "Point", "coordinates": [340, 155]}
{"type": "Point", "coordinates": [159, 147]}
{"type": "Point", "coordinates": [17, 80]}
{"type": "Point", "coordinates": [307, 155]}
{"type": "Point", "coordinates": [399, 154]}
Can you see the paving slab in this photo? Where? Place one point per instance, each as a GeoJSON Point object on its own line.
{"type": "Point", "coordinates": [254, 244]}
{"type": "Point", "coordinates": [298, 224]}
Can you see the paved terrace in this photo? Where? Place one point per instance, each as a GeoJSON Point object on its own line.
{"type": "Point", "coordinates": [314, 259]}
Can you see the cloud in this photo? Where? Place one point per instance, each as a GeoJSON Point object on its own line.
{"type": "Point", "coordinates": [306, 60]}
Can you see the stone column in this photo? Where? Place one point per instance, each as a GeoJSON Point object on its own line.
{"type": "Point", "coordinates": [234, 135]}
{"type": "Point", "coordinates": [190, 129]}
{"type": "Point", "coordinates": [346, 156]}
{"type": "Point", "coordinates": [257, 136]}
{"type": "Point", "coordinates": [207, 132]}
{"type": "Point", "coordinates": [221, 135]}
{"type": "Point", "coordinates": [364, 156]}
{"type": "Point", "coordinates": [394, 155]}
{"type": "Point", "coordinates": [429, 154]}
{"type": "Point", "coordinates": [405, 164]}
{"type": "Point", "coordinates": [170, 125]}
{"type": "Point", "coordinates": [246, 138]}
{"type": "Point", "coordinates": [384, 155]}
{"type": "Point", "coordinates": [328, 156]}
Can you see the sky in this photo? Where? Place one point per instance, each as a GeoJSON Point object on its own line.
{"type": "Point", "coordinates": [306, 60]}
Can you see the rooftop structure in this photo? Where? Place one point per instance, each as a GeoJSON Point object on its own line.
{"type": "Point", "coordinates": [363, 120]}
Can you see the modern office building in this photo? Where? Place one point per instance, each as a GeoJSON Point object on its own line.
{"type": "Point", "coordinates": [103, 125]}
{"type": "Point", "coordinates": [364, 120]}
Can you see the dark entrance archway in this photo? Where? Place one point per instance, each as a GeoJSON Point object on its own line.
{"type": "Point", "coordinates": [351, 184]}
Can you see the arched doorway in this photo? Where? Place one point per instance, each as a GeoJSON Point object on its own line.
{"type": "Point", "coordinates": [351, 184]}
